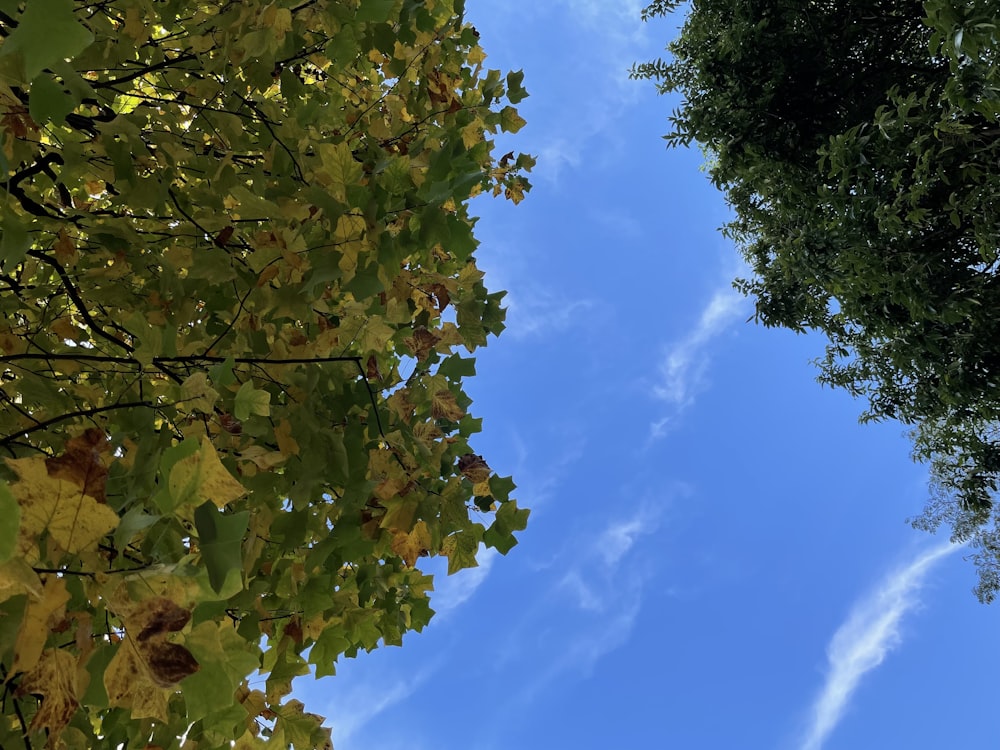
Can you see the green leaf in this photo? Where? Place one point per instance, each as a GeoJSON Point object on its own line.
{"type": "Point", "coordinates": [375, 11]}
{"type": "Point", "coordinates": [220, 539]}
{"type": "Point", "coordinates": [224, 660]}
{"type": "Point", "coordinates": [461, 549]}
{"type": "Point", "coordinates": [134, 521]}
{"type": "Point", "coordinates": [500, 535]}
{"type": "Point", "coordinates": [222, 373]}
{"type": "Point", "coordinates": [515, 89]}
{"type": "Point", "coordinates": [48, 101]}
{"type": "Point", "coordinates": [14, 239]}
{"type": "Point", "coordinates": [339, 466]}
{"type": "Point", "coordinates": [249, 401]}
{"type": "Point", "coordinates": [332, 642]}
{"type": "Point", "coordinates": [510, 120]}
{"type": "Point", "coordinates": [47, 32]}
{"type": "Point", "coordinates": [457, 367]}
{"type": "Point", "coordinates": [10, 521]}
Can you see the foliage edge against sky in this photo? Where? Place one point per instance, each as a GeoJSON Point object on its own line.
{"type": "Point", "coordinates": [238, 293]}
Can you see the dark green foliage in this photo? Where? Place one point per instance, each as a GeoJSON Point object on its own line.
{"type": "Point", "coordinates": [856, 141]}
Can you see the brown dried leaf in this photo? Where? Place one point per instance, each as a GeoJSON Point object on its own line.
{"type": "Point", "coordinates": [422, 342]}
{"type": "Point", "coordinates": [444, 406]}
{"type": "Point", "coordinates": [160, 616]}
{"type": "Point", "coordinates": [168, 663]}
{"type": "Point", "coordinates": [64, 247]}
{"type": "Point", "coordinates": [83, 463]}
{"type": "Point", "coordinates": [146, 665]}
{"type": "Point", "coordinates": [440, 294]}
{"type": "Point", "coordinates": [474, 468]}
{"type": "Point", "coordinates": [231, 424]}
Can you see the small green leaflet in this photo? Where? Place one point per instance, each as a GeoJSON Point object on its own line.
{"type": "Point", "coordinates": [500, 535]}
{"type": "Point", "coordinates": [251, 401]}
{"type": "Point", "coordinates": [220, 538]}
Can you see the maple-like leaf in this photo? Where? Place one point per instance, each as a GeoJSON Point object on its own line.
{"type": "Point", "coordinates": [201, 476]}
{"type": "Point", "coordinates": [410, 546]}
{"type": "Point", "coordinates": [240, 257]}
{"type": "Point", "coordinates": [444, 406]}
{"type": "Point", "coordinates": [146, 664]}
{"type": "Point", "coordinates": [474, 468]}
{"type": "Point", "coordinates": [54, 678]}
{"type": "Point", "coordinates": [58, 508]}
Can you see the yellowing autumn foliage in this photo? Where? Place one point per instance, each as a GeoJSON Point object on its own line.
{"type": "Point", "coordinates": [238, 298]}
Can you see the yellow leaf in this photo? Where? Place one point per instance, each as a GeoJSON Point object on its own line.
{"type": "Point", "coordinates": [17, 577]}
{"type": "Point", "coordinates": [444, 406]}
{"type": "Point", "coordinates": [411, 546]}
{"type": "Point", "coordinates": [73, 520]}
{"type": "Point", "coordinates": [202, 476]}
{"type": "Point", "coordinates": [261, 457]}
{"type": "Point", "coordinates": [198, 394]}
{"type": "Point", "coordinates": [472, 133]}
{"type": "Point", "coordinates": [342, 171]}
{"type": "Point", "coordinates": [129, 685]}
{"type": "Point", "coordinates": [286, 443]}
{"type": "Point", "coordinates": [39, 616]}
{"type": "Point", "coordinates": [476, 55]}
{"type": "Point", "coordinates": [54, 678]}
{"type": "Point", "coordinates": [279, 20]}
{"type": "Point", "coordinates": [375, 335]}
{"type": "Point", "coordinates": [146, 667]}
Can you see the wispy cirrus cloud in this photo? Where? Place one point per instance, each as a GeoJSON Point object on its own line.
{"type": "Point", "coordinates": [451, 592]}
{"type": "Point", "coordinates": [592, 577]}
{"type": "Point", "coordinates": [865, 639]}
{"type": "Point", "coordinates": [350, 710]}
{"type": "Point", "coordinates": [684, 364]}
{"type": "Point", "coordinates": [541, 312]}
{"type": "Point", "coordinates": [595, 42]}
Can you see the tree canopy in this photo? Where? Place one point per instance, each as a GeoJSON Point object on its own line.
{"type": "Point", "coordinates": [857, 144]}
{"type": "Point", "coordinates": [238, 292]}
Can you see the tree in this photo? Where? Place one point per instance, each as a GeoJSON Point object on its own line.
{"type": "Point", "coordinates": [236, 275]}
{"type": "Point", "coordinates": [857, 145]}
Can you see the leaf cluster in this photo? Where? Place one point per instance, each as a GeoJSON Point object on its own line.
{"type": "Point", "coordinates": [238, 294]}
{"type": "Point", "coordinates": [856, 143]}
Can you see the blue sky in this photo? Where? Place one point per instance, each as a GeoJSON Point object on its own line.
{"type": "Point", "coordinates": [718, 555]}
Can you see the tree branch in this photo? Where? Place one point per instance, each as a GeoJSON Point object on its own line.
{"type": "Point", "coordinates": [72, 415]}
{"type": "Point", "coordinates": [78, 302]}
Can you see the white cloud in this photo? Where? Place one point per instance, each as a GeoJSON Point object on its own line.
{"type": "Point", "coordinates": [616, 540]}
{"type": "Point", "coordinates": [682, 371]}
{"type": "Point", "coordinates": [450, 592]}
{"type": "Point", "coordinates": [863, 641]}
{"type": "Point", "coordinates": [539, 312]}
{"type": "Point", "coordinates": [592, 575]}
{"type": "Point", "coordinates": [351, 709]}
{"type": "Point", "coordinates": [592, 44]}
